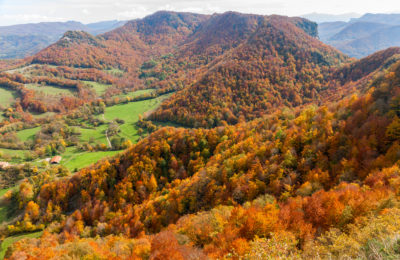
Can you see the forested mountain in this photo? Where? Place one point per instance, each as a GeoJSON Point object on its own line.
{"type": "Point", "coordinates": [240, 66]}
{"type": "Point", "coordinates": [23, 40]}
{"type": "Point", "coordinates": [289, 149]}
{"type": "Point", "coordinates": [362, 36]}
{"type": "Point", "coordinates": [267, 69]}
{"type": "Point", "coordinates": [325, 169]}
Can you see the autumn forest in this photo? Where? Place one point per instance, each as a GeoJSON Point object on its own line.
{"type": "Point", "coordinates": [190, 136]}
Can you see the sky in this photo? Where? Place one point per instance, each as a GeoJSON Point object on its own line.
{"type": "Point", "coordinates": [86, 11]}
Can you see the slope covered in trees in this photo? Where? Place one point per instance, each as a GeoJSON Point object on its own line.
{"type": "Point", "coordinates": [293, 154]}
{"type": "Point", "coordinates": [329, 172]}
{"type": "Point", "coordinates": [125, 47]}
{"type": "Point", "coordinates": [249, 64]}
{"type": "Point", "coordinates": [276, 64]}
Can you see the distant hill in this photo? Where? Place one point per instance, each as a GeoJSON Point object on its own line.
{"type": "Point", "coordinates": [105, 26]}
{"type": "Point", "coordinates": [362, 36]}
{"type": "Point", "coordinates": [392, 19]}
{"type": "Point", "coordinates": [19, 41]}
{"type": "Point", "coordinates": [321, 18]}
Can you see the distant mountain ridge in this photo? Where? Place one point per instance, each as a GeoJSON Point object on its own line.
{"type": "Point", "coordinates": [362, 36]}
{"type": "Point", "coordinates": [20, 41]}
{"type": "Point", "coordinates": [321, 18]}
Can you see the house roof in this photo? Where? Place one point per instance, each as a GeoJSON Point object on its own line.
{"type": "Point", "coordinates": [56, 159]}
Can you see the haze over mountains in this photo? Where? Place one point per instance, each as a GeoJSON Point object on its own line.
{"type": "Point", "coordinates": [362, 36]}
{"type": "Point", "coordinates": [268, 143]}
{"type": "Point", "coordinates": [20, 41]}
{"type": "Point", "coordinates": [323, 18]}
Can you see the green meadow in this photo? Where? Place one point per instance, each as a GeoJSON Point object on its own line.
{"type": "Point", "coordinates": [28, 134]}
{"type": "Point", "coordinates": [50, 90]}
{"type": "Point", "coordinates": [7, 97]}
{"type": "Point", "coordinates": [98, 87]}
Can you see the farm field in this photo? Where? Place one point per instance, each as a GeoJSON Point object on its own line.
{"type": "Point", "coordinates": [50, 90]}
{"type": "Point", "coordinates": [15, 155]}
{"type": "Point", "coordinates": [28, 134]}
{"type": "Point", "coordinates": [43, 115]}
{"type": "Point", "coordinates": [130, 114]}
{"type": "Point", "coordinates": [73, 159]}
{"type": "Point", "coordinates": [136, 93]}
{"type": "Point", "coordinates": [98, 87]}
{"type": "Point", "coordinates": [6, 97]}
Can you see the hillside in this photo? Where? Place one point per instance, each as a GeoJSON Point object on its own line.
{"type": "Point", "coordinates": [327, 29]}
{"type": "Point", "coordinates": [362, 36]}
{"type": "Point", "coordinates": [392, 19]}
{"type": "Point", "coordinates": [189, 136]}
{"type": "Point", "coordinates": [329, 172]}
{"type": "Point", "coordinates": [264, 71]}
{"type": "Point", "coordinates": [24, 40]}
{"type": "Point", "coordinates": [379, 40]}
{"type": "Point", "coordinates": [357, 30]}
{"type": "Point", "coordinates": [188, 48]}
{"type": "Point", "coordinates": [126, 47]}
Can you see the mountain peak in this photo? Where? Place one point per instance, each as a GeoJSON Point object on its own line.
{"type": "Point", "coordinates": [78, 37]}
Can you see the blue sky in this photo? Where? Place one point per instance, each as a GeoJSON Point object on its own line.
{"type": "Point", "coordinates": [23, 11]}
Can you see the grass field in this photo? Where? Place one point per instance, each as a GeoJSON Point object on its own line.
{"type": "Point", "coordinates": [98, 87]}
{"type": "Point", "coordinates": [42, 115]}
{"type": "Point", "coordinates": [7, 97]}
{"type": "Point", "coordinates": [136, 93]}
{"type": "Point", "coordinates": [73, 159]}
{"type": "Point", "coordinates": [130, 114]}
{"type": "Point", "coordinates": [11, 240]}
{"type": "Point", "coordinates": [13, 153]}
{"type": "Point", "coordinates": [28, 134]}
{"type": "Point", "coordinates": [50, 90]}
{"type": "Point", "coordinates": [98, 134]}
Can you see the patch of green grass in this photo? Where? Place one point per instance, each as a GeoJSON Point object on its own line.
{"type": "Point", "coordinates": [136, 93]}
{"type": "Point", "coordinates": [28, 134]}
{"type": "Point", "coordinates": [98, 134]}
{"type": "Point", "coordinates": [98, 87]}
{"type": "Point", "coordinates": [115, 71]}
{"type": "Point", "coordinates": [50, 90]}
{"type": "Point", "coordinates": [7, 97]}
{"type": "Point", "coordinates": [42, 115]}
{"type": "Point", "coordinates": [130, 114]}
{"type": "Point", "coordinates": [12, 153]}
{"type": "Point", "coordinates": [73, 159]}
{"type": "Point", "coordinates": [11, 240]}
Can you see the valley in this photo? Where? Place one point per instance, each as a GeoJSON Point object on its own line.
{"type": "Point", "coordinates": [192, 136]}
